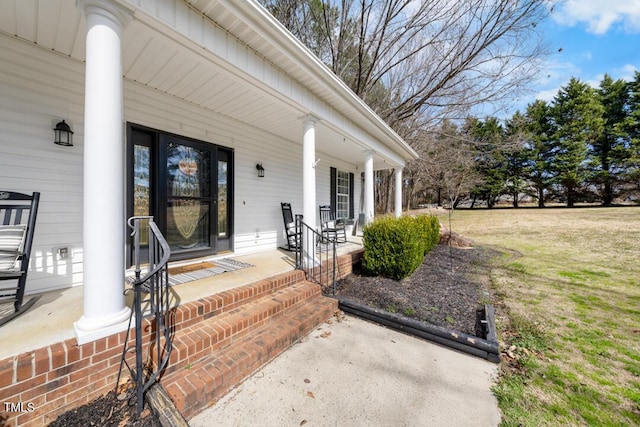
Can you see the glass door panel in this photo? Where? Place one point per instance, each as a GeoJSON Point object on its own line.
{"type": "Point", "coordinates": [223, 196]}
{"type": "Point", "coordinates": [142, 187]}
{"type": "Point", "coordinates": [188, 188]}
{"type": "Point", "coordinates": [188, 224]}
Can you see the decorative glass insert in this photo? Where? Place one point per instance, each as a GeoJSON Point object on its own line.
{"type": "Point", "coordinates": [188, 187]}
{"type": "Point", "coordinates": [141, 187]}
{"type": "Point", "coordinates": [223, 196]}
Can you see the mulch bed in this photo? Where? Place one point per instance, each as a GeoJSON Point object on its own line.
{"type": "Point", "coordinates": [110, 410]}
{"type": "Point", "coordinates": [446, 290]}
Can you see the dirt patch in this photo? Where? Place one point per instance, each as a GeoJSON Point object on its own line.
{"type": "Point", "coordinates": [111, 410]}
{"type": "Point", "coordinates": [446, 290]}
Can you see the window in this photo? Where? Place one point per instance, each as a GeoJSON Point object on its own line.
{"type": "Point", "coordinates": [342, 193]}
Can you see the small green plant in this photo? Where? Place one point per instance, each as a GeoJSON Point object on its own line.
{"type": "Point", "coordinates": [409, 312]}
{"type": "Point", "coordinates": [517, 267]}
{"type": "Point", "coordinates": [392, 309]}
{"type": "Point", "coordinates": [527, 334]}
{"type": "Point", "coordinates": [450, 320]}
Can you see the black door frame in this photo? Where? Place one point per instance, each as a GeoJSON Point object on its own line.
{"type": "Point", "coordinates": [155, 140]}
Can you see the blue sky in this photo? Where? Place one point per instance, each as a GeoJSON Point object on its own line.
{"type": "Point", "coordinates": [596, 37]}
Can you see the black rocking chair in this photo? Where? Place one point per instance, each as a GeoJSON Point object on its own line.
{"type": "Point", "coordinates": [331, 228]}
{"type": "Point", "coordinates": [293, 235]}
{"type": "Point", "coordinates": [17, 221]}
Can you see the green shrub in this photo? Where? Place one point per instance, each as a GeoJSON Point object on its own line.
{"type": "Point", "coordinates": [395, 247]}
{"type": "Point", "coordinates": [429, 229]}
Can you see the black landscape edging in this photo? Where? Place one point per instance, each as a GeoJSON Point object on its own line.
{"type": "Point", "coordinates": [476, 346]}
{"type": "Point", "coordinates": [163, 408]}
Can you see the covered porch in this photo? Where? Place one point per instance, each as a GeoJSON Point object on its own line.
{"type": "Point", "coordinates": [51, 320]}
{"type": "Point", "coordinates": [220, 78]}
{"type": "Point", "coordinates": [219, 75]}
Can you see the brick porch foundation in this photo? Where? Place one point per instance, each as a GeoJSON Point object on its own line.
{"type": "Point", "coordinates": [219, 340]}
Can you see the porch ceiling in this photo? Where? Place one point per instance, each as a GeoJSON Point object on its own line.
{"type": "Point", "coordinates": [154, 55]}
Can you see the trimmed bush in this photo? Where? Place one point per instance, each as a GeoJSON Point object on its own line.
{"type": "Point", "coordinates": [395, 247]}
{"type": "Point", "coordinates": [429, 227]}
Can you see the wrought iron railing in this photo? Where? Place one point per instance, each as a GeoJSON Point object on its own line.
{"type": "Point", "coordinates": [150, 290]}
{"type": "Point", "coordinates": [316, 255]}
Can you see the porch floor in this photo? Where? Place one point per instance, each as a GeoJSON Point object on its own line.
{"type": "Point", "coordinates": [51, 319]}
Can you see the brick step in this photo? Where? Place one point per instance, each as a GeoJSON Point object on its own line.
{"type": "Point", "coordinates": [194, 312]}
{"type": "Point", "coordinates": [203, 382]}
{"type": "Point", "coordinates": [213, 333]}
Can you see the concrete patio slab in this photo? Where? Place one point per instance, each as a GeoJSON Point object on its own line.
{"type": "Point", "coordinates": [356, 373]}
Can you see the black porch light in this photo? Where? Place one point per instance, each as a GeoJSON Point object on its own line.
{"type": "Point", "coordinates": [63, 134]}
{"type": "Point", "coordinates": [260, 170]}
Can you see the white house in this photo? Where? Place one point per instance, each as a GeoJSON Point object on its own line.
{"type": "Point", "coordinates": [173, 103]}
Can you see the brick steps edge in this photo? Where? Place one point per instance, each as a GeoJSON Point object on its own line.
{"type": "Point", "coordinates": [191, 313]}
{"type": "Point", "coordinates": [203, 383]}
{"type": "Point", "coordinates": [214, 333]}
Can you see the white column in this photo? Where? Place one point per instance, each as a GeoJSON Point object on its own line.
{"type": "Point", "coordinates": [104, 310]}
{"type": "Point", "coordinates": [309, 171]}
{"type": "Point", "coordinates": [369, 209]}
{"type": "Point", "coordinates": [309, 204]}
{"type": "Point", "coordinates": [398, 204]}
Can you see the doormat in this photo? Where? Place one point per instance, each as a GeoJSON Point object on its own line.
{"type": "Point", "coordinates": [189, 273]}
{"type": "Point", "coordinates": [190, 267]}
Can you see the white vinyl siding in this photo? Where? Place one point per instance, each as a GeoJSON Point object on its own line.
{"type": "Point", "coordinates": [39, 87]}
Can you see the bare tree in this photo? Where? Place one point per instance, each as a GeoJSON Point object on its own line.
{"type": "Point", "coordinates": [446, 169]}
{"type": "Point", "coordinates": [415, 62]}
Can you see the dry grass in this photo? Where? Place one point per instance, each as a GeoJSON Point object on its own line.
{"type": "Point", "coordinates": [569, 292]}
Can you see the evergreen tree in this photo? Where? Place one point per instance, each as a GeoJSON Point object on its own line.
{"type": "Point", "coordinates": [518, 157]}
{"type": "Point", "coordinates": [631, 130]}
{"type": "Point", "coordinates": [491, 163]}
{"type": "Point", "coordinates": [579, 117]}
{"type": "Point", "coordinates": [609, 151]}
{"type": "Point", "coordinates": [540, 130]}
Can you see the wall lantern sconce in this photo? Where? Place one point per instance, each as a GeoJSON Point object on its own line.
{"type": "Point", "coordinates": [63, 134]}
{"type": "Point", "coordinates": [260, 170]}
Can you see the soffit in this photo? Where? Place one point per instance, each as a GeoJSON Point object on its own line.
{"type": "Point", "coordinates": [157, 58]}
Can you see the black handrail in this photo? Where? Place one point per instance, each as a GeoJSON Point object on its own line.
{"type": "Point", "coordinates": [316, 255]}
{"type": "Point", "coordinates": [155, 283]}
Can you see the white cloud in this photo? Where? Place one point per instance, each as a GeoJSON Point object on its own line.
{"type": "Point", "coordinates": [600, 15]}
{"type": "Point", "coordinates": [547, 95]}
{"type": "Point", "coordinates": [557, 73]}
{"type": "Point", "coordinates": [556, 79]}
{"type": "Point", "coordinates": [626, 72]}
{"type": "Point", "coordinates": [594, 82]}
{"type": "Point", "coordinates": [553, 75]}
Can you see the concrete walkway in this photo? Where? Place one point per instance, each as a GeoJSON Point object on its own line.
{"type": "Point", "coordinates": [356, 373]}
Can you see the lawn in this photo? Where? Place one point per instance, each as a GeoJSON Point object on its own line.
{"type": "Point", "coordinates": [567, 291]}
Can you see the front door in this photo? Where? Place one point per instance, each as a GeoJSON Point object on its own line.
{"type": "Point", "coordinates": [185, 185]}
